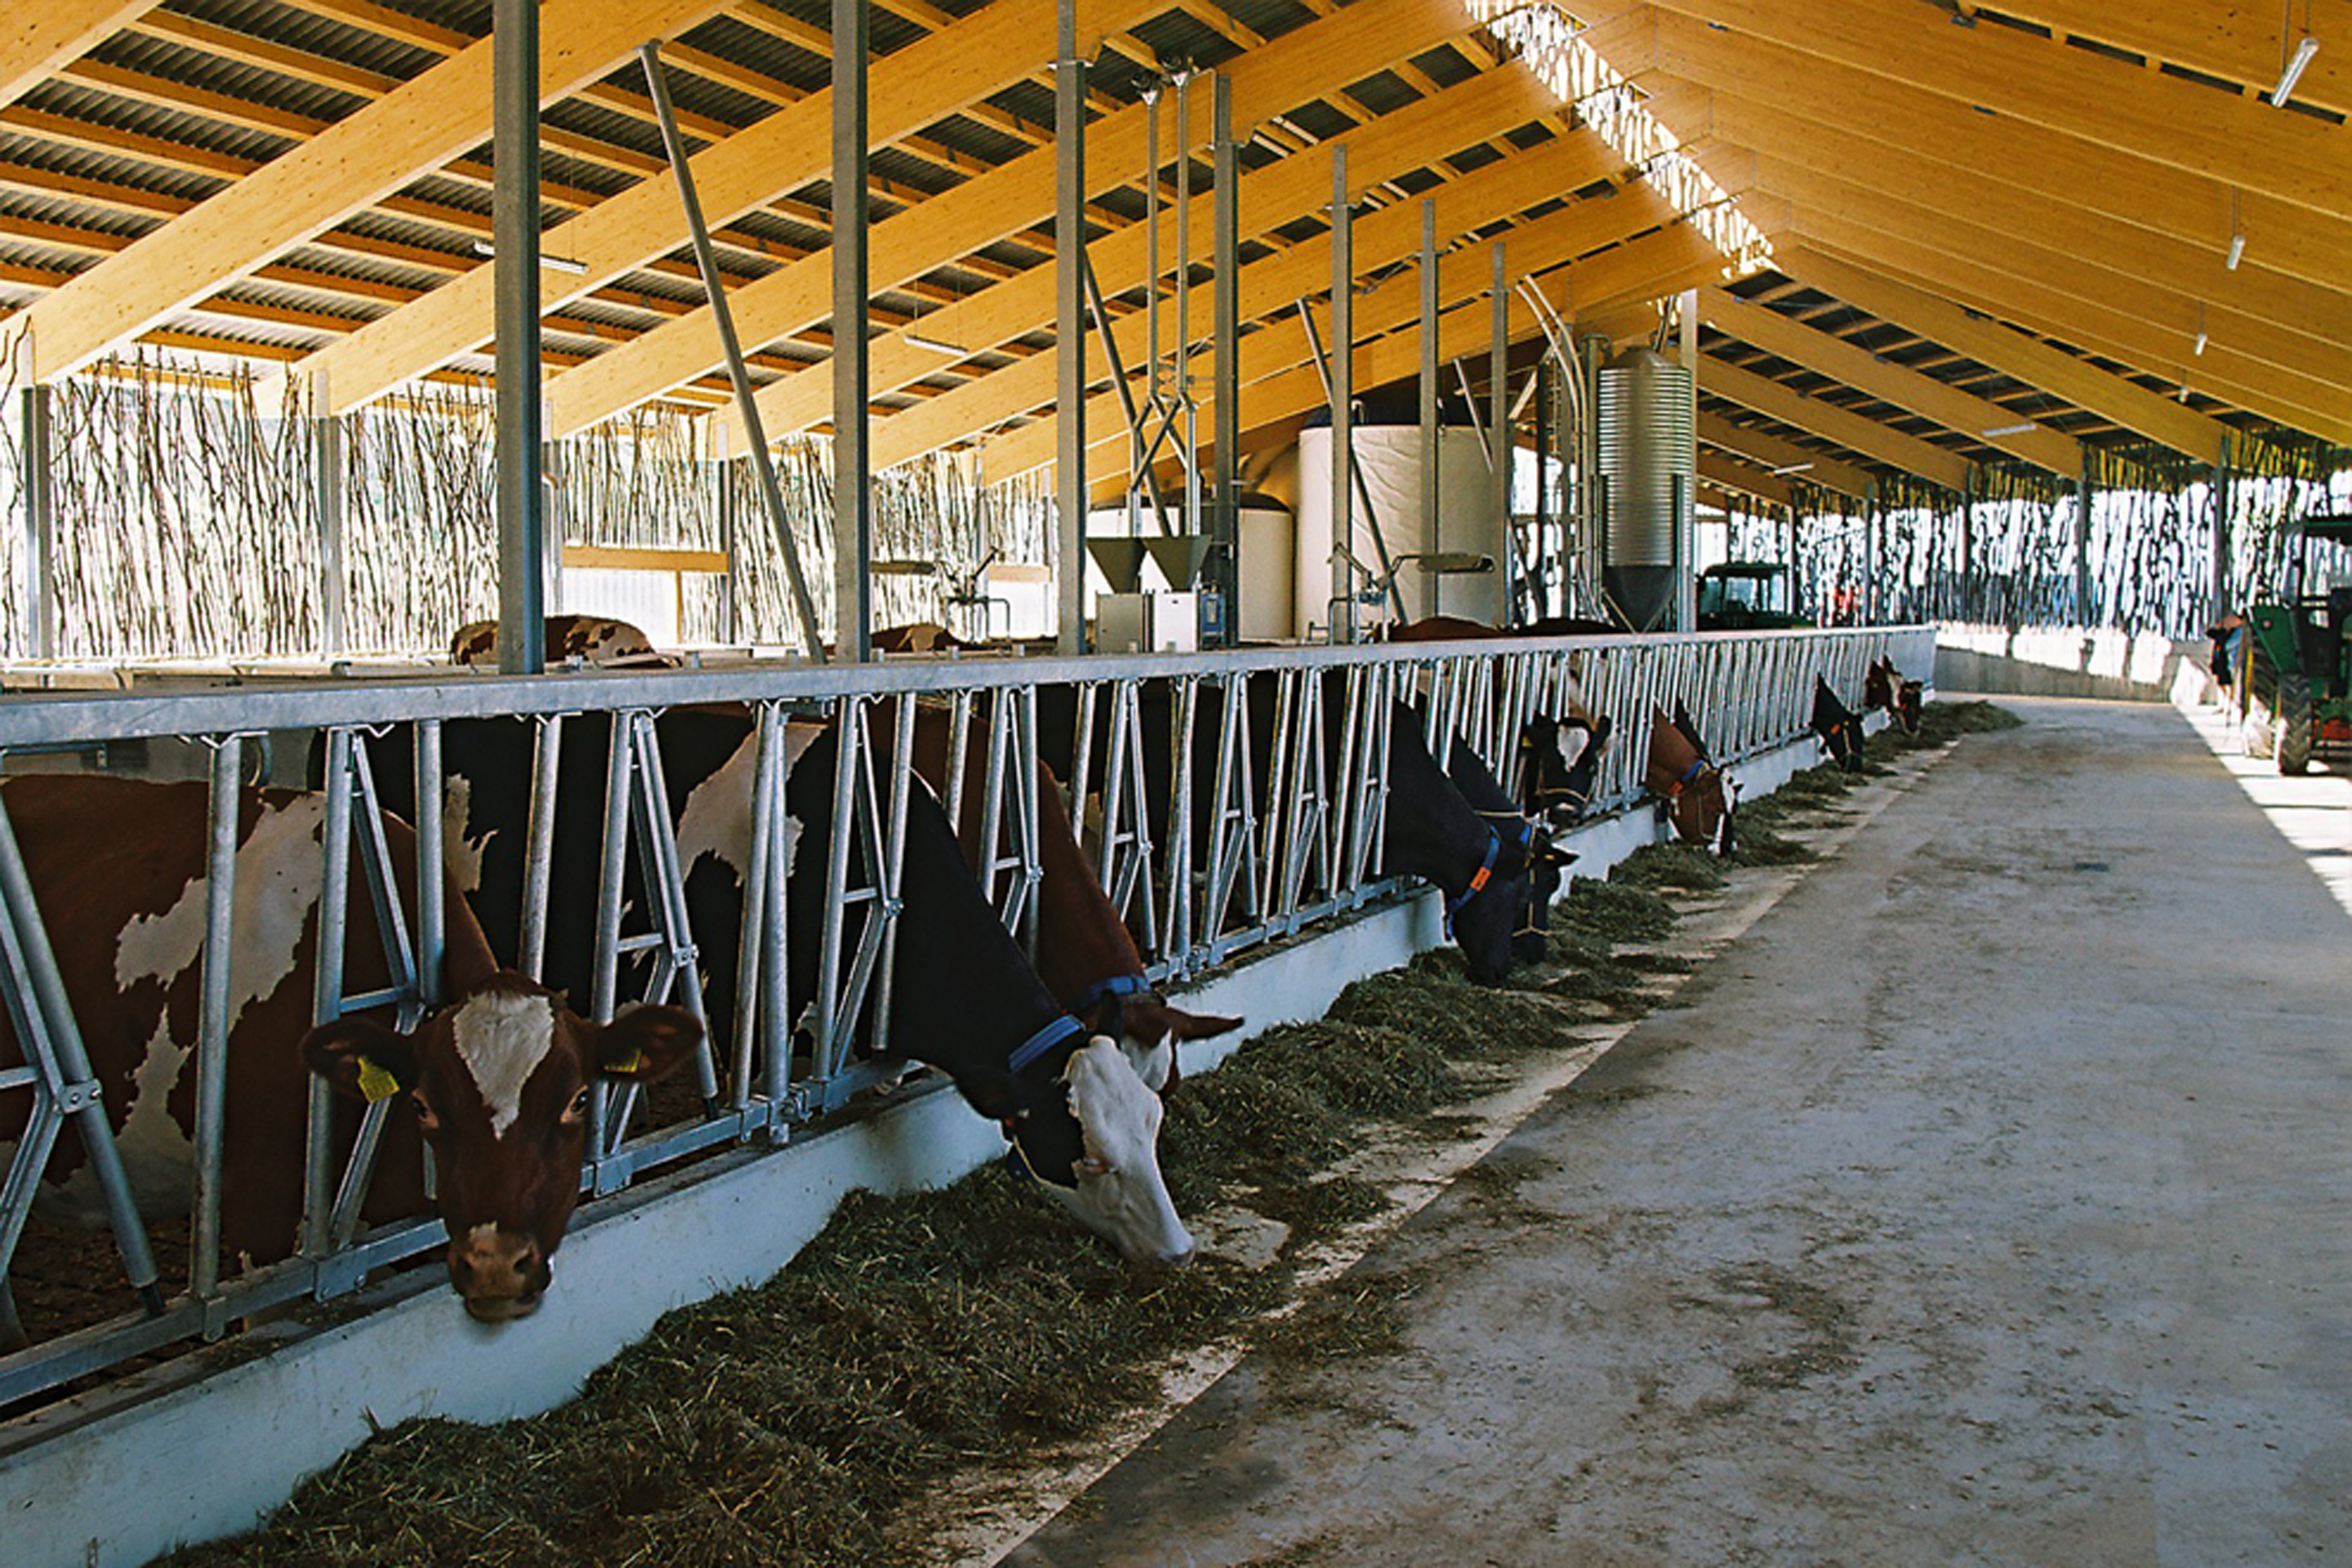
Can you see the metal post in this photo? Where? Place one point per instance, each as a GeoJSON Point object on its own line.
{"type": "Point", "coordinates": [1342, 393]}
{"type": "Point", "coordinates": [213, 1016]}
{"type": "Point", "coordinates": [853, 488]}
{"type": "Point", "coordinates": [2222, 564]}
{"type": "Point", "coordinates": [1687, 513]}
{"type": "Point", "coordinates": [1225, 525]}
{"type": "Point", "coordinates": [1543, 486]}
{"type": "Point", "coordinates": [327, 489]}
{"type": "Point", "coordinates": [1183, 354]}
{"type": "Point", "coordinates": [1069, 333]}
{"type": "Point", "coordinates": [714, 288]}
{"type": "Point", "coordinates": [514, 227]}
{"type": "Point", "coordinates": [40, 629]}
{"type": "Point", "coordinates": [1498, 426]}
{"type": "Point", "coordinates": [1432, 533]}
{"type": "Point", "coordinates": [2086, 609]}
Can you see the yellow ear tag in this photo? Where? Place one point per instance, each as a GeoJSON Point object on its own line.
{"type": "Point", "coordinates": [628, 1066]}
{"type": "Point", "coordinates": [376, 1083]}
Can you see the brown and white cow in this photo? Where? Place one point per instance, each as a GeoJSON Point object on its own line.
{"type": "Point", "coordinates": [117, 870]}
{"type": "Point", "coordinates": [1695, 795]}
{"type": "Point", "coordinates": [594, 641]}
{"type": "Point", "coordinates": [1888, 690]}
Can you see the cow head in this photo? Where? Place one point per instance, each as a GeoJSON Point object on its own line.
{"type": "Point", "coordinates": [1546, 867]}
{"type": "Point", "coordinates": [1147, 1028]}
{"type": "Point", "coordinates": [1698, 799]}
{"type": "Point", "coordinates": [501, 1084]}
{"type": "Point", "coordinates": [1878, 686]}
{"type": "Point", "coordinates": [1559, 760]}
{"type": "Point", "coordinates": [1486, 917]}
{"type": "Point", "coordinates": [1909, 697]}
{"type": "Point", "coordinates": [1838, 727]}
{"type": "Point", "coordinates": [1090, 1134]}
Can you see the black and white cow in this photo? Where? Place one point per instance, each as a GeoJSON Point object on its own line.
{"type": "Point", "coordinates": [1838, 727]}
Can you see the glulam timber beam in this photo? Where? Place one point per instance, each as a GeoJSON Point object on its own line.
{"type": "Point", "coordinates": [2293, 157]}
{"type": "Point", "coordinates": [1828, 116]}
{"type": "Point", "coordinates": [1297, 67]}
{"type": "Point", "coordinates": [1279, 382]}
{"type": "Point", "coordinates": [1833, 356]}
{"type": "Point", "coordinates": [38, 37]}
{"type": "Point", "coordinates": [2042, 253]}
{"type": "Point", "coordinates": [1270, 285]}
{"type": "Point", "coordinates": [2013, 353]}
{"type": "Point", "coordinates": [1725, 474]}
{"type": "Point", "coordinates": [1293, 187]}
{"type": "Point", "coordinates": [919, 85]}
{"type": "Point", "coordinates": [1855, 432]}
{"type": "Point", "coordinates": [2095, 327]}
{"type": "Point", "coordinates": [2237, 43]}
{"type": "Point", "coordinates": [351, 165]}
{"type": "Point", "coordinates": [1772, 452]}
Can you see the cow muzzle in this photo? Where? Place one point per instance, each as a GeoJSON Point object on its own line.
{"type": "Point", "coordinates": [500, 1274]}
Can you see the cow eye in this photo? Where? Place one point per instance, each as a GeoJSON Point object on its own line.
{"type": "Point", "coordinates": [578, 1109]}
{"type": "Point", "coordinates": [426, 1120]}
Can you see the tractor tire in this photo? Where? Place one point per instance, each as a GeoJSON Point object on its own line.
{"type": "Point", "coordinates": [2294, 720]}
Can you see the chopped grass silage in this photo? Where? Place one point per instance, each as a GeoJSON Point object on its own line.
{"type": "Point", "coordinates": [1684, 867]}
{"type": "Point", "coordinates": [789, 1424]}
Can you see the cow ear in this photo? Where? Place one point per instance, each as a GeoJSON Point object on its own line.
{"type": "Point", "coordinates": [647, 1043]}
{"type": "Point", "coordinates": [360, 1058]}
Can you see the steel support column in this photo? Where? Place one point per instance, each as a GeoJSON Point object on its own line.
{"type": "Point", "coordinates": [514, 228]}
{"type": "Point", "coordinates": [1498, 425]}
{"type": "Point", "coordinates": [327, 490]}
{"type": "Point", "coordinates": [2222, 564]}
{"type": "Point", "coordinates": [1535, 575]}
{"type": "Point", "coordinates": [1431, 534]}
{"type": "Point", "coordinates": [1069, 334]}
{"type": "Point", "coordinates": [40, 627]}
{"type": "Point", "coordinates": [1342, 393]}
{"type": "Point", "coordinates": [853, 486]}
{"type": "Point", "coordinates": [2087, 608]}
{"type": "Point", "coordinates": [1225, 393]}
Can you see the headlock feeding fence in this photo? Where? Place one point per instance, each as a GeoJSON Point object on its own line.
{"type": "Point", "coordinates": [1208, 843]}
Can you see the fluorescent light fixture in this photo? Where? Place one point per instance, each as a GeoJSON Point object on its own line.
{"type": "Point", "coordinates": [2293, 72]}
{"type": "Point", "coordinates": [2018, 429]}
{"type": "Point", "coordinates": [1787, 469]}
{"type": "Point", "coordinates": [2200, 343]}
{"type": "Point", "coordinates": [553, 263]}
{"type": "Point", "coordinates": [2237, 251]}
{"type": "Point", "coordinates": [937, 347]}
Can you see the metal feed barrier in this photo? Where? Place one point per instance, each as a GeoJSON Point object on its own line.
{"type": "Point", "coordinates": [1274, 855]}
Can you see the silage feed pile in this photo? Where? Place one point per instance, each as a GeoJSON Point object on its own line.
{"type": "Point", "coordinates": [922, 1338]}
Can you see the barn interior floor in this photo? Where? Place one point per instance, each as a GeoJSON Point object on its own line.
{"type": "Point", "coordinates": [1984, 1204]}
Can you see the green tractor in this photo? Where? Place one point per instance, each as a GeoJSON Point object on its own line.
{"type": "Point", "coordinates": [1746, 596]}
{"type": "Point", "coordinates": [2302, 659]}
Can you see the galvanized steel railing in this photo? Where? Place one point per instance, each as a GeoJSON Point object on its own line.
{"type": "Point", "coordinates": [1273, 855]}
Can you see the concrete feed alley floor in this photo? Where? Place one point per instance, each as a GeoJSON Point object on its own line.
{"type": "Point", "coordinates": [1985, 1202]}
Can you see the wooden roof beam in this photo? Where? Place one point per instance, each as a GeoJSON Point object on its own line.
{"type": "Point", "coordinates": [1802, 107]}
{"type": "Point", "coordinates": [913, 87]}
{"type": "Point", "coordinates": [2111, 398]}
{"type": "Point", "coordinates": [1279, 194]}
{"type": "Point", "coordinates": [1774, 452]}
{"type": "Point", "coordinates": [1278, 383]}
{"type": "Point", "coordinates": [2236, 43]}
{"type": "Point", "coordinates": [2170, 318]}
{"type": "Point", "coordinates": [1857, 367]}
{"type": "Point", "coordinates": [1726, 474]}
{"type": "Point", "coordinates": [351, 165]}
{"type": "Point", "coordinates": [37, 38]}
{"type": "Point", "coordinates": [2099, 329]}
{"type": "Point", "coordinates": [2292, 157]}
{"type": "Point", "coordinates": [1855, 432]}
{"type": "Point", "coordinates": [1271, 286]}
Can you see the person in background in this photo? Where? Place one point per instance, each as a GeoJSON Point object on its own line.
{"type": "Point", "coordinates": [2229, 633]}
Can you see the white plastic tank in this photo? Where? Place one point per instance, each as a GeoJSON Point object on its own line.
{"type": "Point", "coordinates": [1390, 458]}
